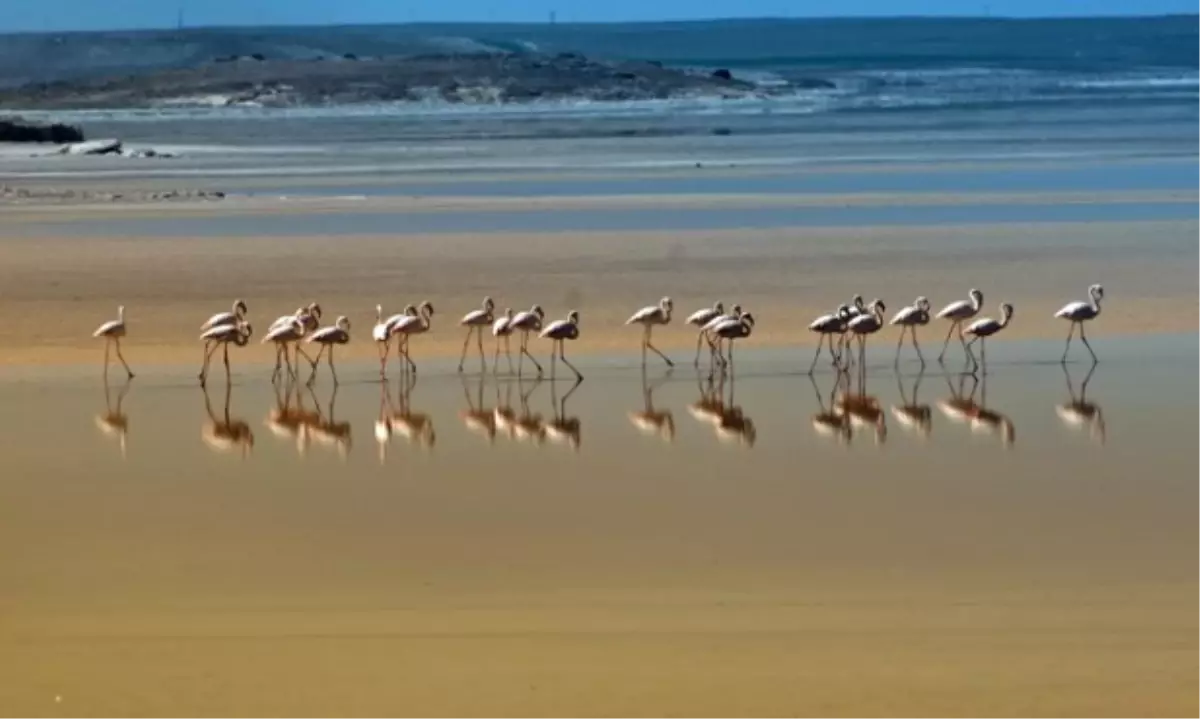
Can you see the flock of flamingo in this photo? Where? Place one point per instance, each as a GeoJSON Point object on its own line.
{"type": "Point", "coordinates": [855, 321]}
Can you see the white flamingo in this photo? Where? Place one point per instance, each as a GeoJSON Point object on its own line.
{"type": "Point", "coordinates": [731, 330]}
{"type": "Point", "coordinates": [475, 321]}
{"type": "Point", "coordinates": [526, 322]}
{"type": "Point", "coordinates": [284, 335]}
{"type": "Point", "coordinates": [980, 330]}
{"type": "Point", "coordinates": [227, 318]}
{"type": "Point", "coordinates": [328, 337]}
{"type": "Point", "coordinates": [701, 317]}
{"type": "Point", "coordinates": [309, 316]}
{"type": "Point", "coordinates": [1079, 312]}
{"type": "Point", "coordinates": [910, 318]}
{"type": "Point", "coordinates": [856, 308]}
{"type": "Point", "coordinates": [958, 313]}
{"type": "Point", "coordinates": [221, 336]}
{"type": "Point", "coordinates": [502, 328]}
{"type": "Point", "coordinates": [648, 317]}
{"type": "Point", "coordinates": [559, 331]}
{"type": "Point", "coordinates": [112, 332]}
{"type": "Point", "coordinates": [382, 334]}
{"type": "Point", "coordinates": [865, 325]}
{"type": "Point", "coordinates": [734, 314]}
{"type": "Point", "coordinates": [826, 326]}
{"type": "Point", "coordinates": [409, 325]}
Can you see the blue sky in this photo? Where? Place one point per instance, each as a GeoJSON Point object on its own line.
{"type": "Point", "coordinates": [18, 15]}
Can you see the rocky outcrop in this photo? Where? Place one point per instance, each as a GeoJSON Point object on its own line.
{"type": "Point", "coordinates": [18, 130]}
{"type": "Point", "coordinates": [454, 78]}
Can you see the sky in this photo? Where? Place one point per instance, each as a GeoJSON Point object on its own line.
{"type": "Point", "coordinates": [52, 15]}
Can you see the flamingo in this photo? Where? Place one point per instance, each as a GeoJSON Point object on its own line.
{"type": "Point", "coordinates": [648, 317]}
{"type": "Point", "coordinates": [409, 325]}
{"type": "Point", "coordinates": [284, 335]}
{"type": "Point", "coordinates": [502, 327]}
{"type": "Point", "coordinates": [328, 338]}
{"type": "Point", "coordinates": [475, 321]}
{"type": "Point", "coordinates": [959, 312]}
{"type": "Point", "coordinates": [559, 331]}
{"type": "Point", "coordinates": [856, 308]}
{"type": "Point", "coordinates": [827, 326]}
{"type": "Point", "coordinates": [112, 332]}
{"type": "Point", "coordinates": [1078, 412]}
{"type": "Point", "coordinates": [114, 422]}
{"type": "Point", "coordinates": [731, 330]}
{"type": "Point", "coordinates": [227, 318]}
{"type": "Point", "coordinates": [830, 422]}
{"type": "Point", "coordinates": [866, 324]}
{"type": "Point", "coordinates": [910, 318]}
{"type": "Point", "coordinates": [526, 322]}
{"type": "Point", "coordinates": [221, 335]}
{"type": "Point", "coordinates": [649, 420]}
{"type": "Point", "coordinates": [980, 330]}
{"type": "Point", "coordinates": [1078, 313]}
{"type": "Point", "coordinates": [701, 317]}
{"type": "Point", "coordinates": [734, 314]}
{"type": "Point", "coordinates": [309, 316]}
{"type": "Point", "coordinates": [382, 335]}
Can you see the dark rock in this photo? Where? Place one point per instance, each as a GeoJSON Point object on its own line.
{"type": "Point", "coordinates": [813, 83]}
{"type": "Point", "coordinates": [722, 74]}
{"type": "Point", "coordinates": [17, 130]}
{"type": "Point", "coordinates": [349, 56]}
{"type": "Point", "coordinates": [257, 56]}
{"type": "Point", "coordinates": [623, 75]}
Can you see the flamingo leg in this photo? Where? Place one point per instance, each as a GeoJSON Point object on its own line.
{"type": "Point", "coordinates": [412, 366]}
{"type": "Point", "coordinates": [835, 358]}
{"type": "Point", "coordinates": [899, 344]}
{"type": "Point", "coordinates": [209, 349]}
{"type": "Point", "coordinates": [917, 347]}
{"type": "Point", "coordinates": [496, 357]}
{"type": "Point", "coordinates": [1082, 337]}
{"type": "Point", "coordinates": [699, 340]}
{"type": "Point", "coordinates": [553, 361]}
{"type": "Point", "coordinates": [225, 358]}
{"type": "Point", "coordinates": [278, 362]}
{"type": "Point", "coordinates": [117, 342]}
{"type": "Point", "coordinates": [479, 344]}
{"type": "Point", "coordinates": [508, 350]}
{"type": "Point", "coordinates": [107, 342]}
{"type": "Point", "coordinates": [971, 356]}
{"type": "Point", "coordinates": [817, 354]}
{"type": "Point", "coordinates": [333, 371]}
{"type": "Point", "coordinates": [656, 351]}
{"type": "Point", "coordinates": [525, 350]}
{"type": "Point", "coordinates": [385, 349]}
{"type": "Point", "coordinates": [287, 360]}
{"type": "Point", "coordinates": [300, 351]}
{"type": "Point", "coordinates": [1070, 334]}
{"type": "Point", "coordinates": [312, 377]}
{"type": "Point", "coordinates": [466, 341]}
{"type": "Point", "coordinates": [562, 356]}
{"type": "Point", "coordinates": [946, 344]}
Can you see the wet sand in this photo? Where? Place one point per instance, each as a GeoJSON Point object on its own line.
{"type": "Point", "coordinates": [57, 289]}
{"type": "Point", "coordinates": [1018, 564]}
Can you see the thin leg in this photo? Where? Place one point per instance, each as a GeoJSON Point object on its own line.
{"type": "Point", "coordinates": [301, 352]}
{"type": "Point", "coordinates": [209, 349]}
{"type": "Point", "coordinates": [385, 348]}
{"type": "Point", "coordinates": [287, 360]}
{"type": "Point", "coordinates": [1070, 334]}
{"type": "Point", "coordinates": [553, 360]}
{"type": "Point", "coordinates": [117, 342]}
{"type": "Point", "coordinates": [971, 356]}
{"type": "Point", "coordinates": [983, 353]}
{"type": "Point", "coordinates": [917, 347]}
{"type": "Point", "coordinates": [466, 341]}
{"type": "Point", "coordinates": [496, 357]}
{"type": "Point", "coordinates": [521, 351]}
{"type": "Point", "coordinates": [817, 354]}
{"type": "Point", "coordinates": [645, 341]}
{"type": "Point", "coordinates": [332, 369]}
{"type": "Point", "coordinates": [479, 344]}
{"type": "Point", "coordinates": [508, 351]}
{"type": "Point", "coordinates": [699, 339]}
{"type": "Point", "coordinates": [225, 357]}
{"type": "Point", "coordinates": [107, 342]}
{"type": "Point", "coordinates": [278, 362]}
{"type": "Point", "coordinates": [899, 344]}
{"type": "Point", "coordinates": [412, 366]}
{"type": "Point", "coordinates": [946, 344]}
{"type": "Point", "coordinates": [1082, 337]}
{"type": "Point", "coordinates": [312, 376]}
{"type": "Point", "coordinates": [660, 354]}
{"type": "Point", "coordinates": [562, 356]}
{"type": "Point", "coordinates": [525, 350]}
{"type": "Point", "coordinates": [834, 357]}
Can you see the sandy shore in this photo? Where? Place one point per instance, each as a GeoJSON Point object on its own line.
{"type": "Point", "coordinates": [55, 290]}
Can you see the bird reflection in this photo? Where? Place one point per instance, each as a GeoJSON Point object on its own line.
{"type": "Point", "coordinates": [650, 421]}
{"type": "Point", "coordinates": [416, 427]}
{"type": "Point", "coordinates": [911, 414]}
{"type": "Point", "coordinates": [1079, 413]}
{"type": "Point", "coordinates": [504, 417]}
{"type": "Point", "coordinates": [477, 418]}
{"type": "Point", "coordinates": [962, 408]}
{"type": "Point", "coordinates": [528, 426]}
{"type": "Point", "coordinates": [323, 427]}
{"type": "Point", "coordinates": [286, 421]}
{"type": "Point", "coordinates": [830, 421]}
{"type": "Point", "coordinates": [864, 411]}
{"type": "Point", "coordinates": [222, 433]}
{"type": "Point", "coordinates": [563, 428]}
{"type": "Point", "coordinates": [734, 425]}
{"type": "Point", "coordinates": [114, 422]}
{"type": "Point", "coordinates": [707, 409]}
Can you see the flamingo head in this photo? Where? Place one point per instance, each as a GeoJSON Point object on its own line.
{"type": "Point", "coordinates": [843, 312]}
{"type": "Point", "coordinates": [410, 310]}
{"type": "Point", "coordinates": [239, 308]}
{"type": "Point", "coordinates": [121, 312]}
{"type": "Point", "coordinates": [573, 317]}
{"type": "Point", "coordinates": [488, 304]}
{"type": "Point", "coordinates": [922, 304]}
{"type": "Point", "coordinates": [976, 296]}
{"type": "Point", "coordinates": [857, 302]}
{"type": "Point", "coordinates": [343, 323]}
{"type": "Point", "coordinates": [245, 330]}
{"type": "Point", "coordinates": [1007, 311]}
{"type": "Point", "coordinates": [666, 304]}
{"type": "Point", "coordinates": [1096, 291]}
{"type": "Point", "coordinates": [748, 319]}
{"type": "Point", "coordinates": [428, 307]}
{"type": "Point", "coordinates": [378, 312]}
{"type": "Point", "coordinates": [537, 310]}
{"type": "Point", "coordinates": [736, 310]}
{"type": "Point", "coordinates": [314, 309]}
{"type": "Point", "coordinates": [719, 308]}
{"type": "Point", "coordinates": [877, 305]}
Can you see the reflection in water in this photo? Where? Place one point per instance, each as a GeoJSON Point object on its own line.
{"type": "Point", "coordinates": [708, 408]}
{"type": "Point", "coordinates": [911, 414]}
{"type": "Point", "coordinates": [1079, 413]}
{"type": "Point", "coordinates": [563, 428]}
{"type": "Point", "coordinates": [527, 426]}
{"type": "Point", "coordinates": [416, 427]}
{"type": "Point", "coordinates": [962, 408]}
{"type": "Point", "coordinates": [477, 418]}
{"type": "Point", "coordinates": [732, 424]}
{"type": "Point", "coordinates": [829, 422]}
{"type": "Point", "coordinates": [221, 432]}
{"type": "Point", "coordinates": [285, 421]}
{"type": "Point", "coordinates": [650, 421]}
{"type": "Point", "coordinates": [114, 422]}
{"type": "Point", "coordinates": [504, 416]}
{"type": "Point", "coordinates": [864, 411]}
{"type": "Point", "coordinates": [323, 427]}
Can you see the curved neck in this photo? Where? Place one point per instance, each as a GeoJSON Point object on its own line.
{"type": "Point", "coordinates": [1095, 301]}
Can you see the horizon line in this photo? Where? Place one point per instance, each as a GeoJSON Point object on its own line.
{"type": "Point", "coordinates": [600, 23]}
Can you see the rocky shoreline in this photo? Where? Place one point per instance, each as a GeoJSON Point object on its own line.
{"type": "Point", "coordinates": [66, 196]}
{"type": "Point", "coordinates": [486, 78]}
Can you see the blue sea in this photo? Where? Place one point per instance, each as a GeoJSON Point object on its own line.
{"type": "Point", "coordinates": [854, 91]}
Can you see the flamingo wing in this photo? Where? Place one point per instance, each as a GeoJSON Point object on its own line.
{"type": "Point", "coordinates": [701, 317]}
{"type": "Point", "coordinates": [983, 327]}
{"type": "Point", "coordinates": [108, 327]}
{"type": "Point", "coordinates": [381, 332]}
{"type": "Point", "coordinates": [329, 335]}
{"type": "Point", "coordinates": [826, 323]}
{"type": "Point", "coordinates": [906, 316]}
{"type": "Point", "coordinates": [642, 315]}
{"type": "Point", "coordinates": [558, 329]}
{"type": "Point", "coordinates": [501, 326]}
{"type": "Point", "coordinates": [219, 319]}
{"type": "Point", "coordinates": [220, 332]}
{"type": "Point", "coordinates": [1075, 310]}
{"type": "Point", "coordinates": [957, 309]}
{"type": "Point", "coordinates": [475, 317]}
{"type": "Point", "coordinates": [285, 333]}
